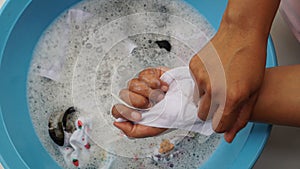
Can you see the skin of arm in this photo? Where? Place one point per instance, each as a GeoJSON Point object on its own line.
{"type": "Point", "coordinates": [240, 44]}
{"type": "Point", "coordinates": [278, 103]}
{"type": "Point", "coordinates": [279, 97]}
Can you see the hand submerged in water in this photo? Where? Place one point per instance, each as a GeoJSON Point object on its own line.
{"type": "Point", "coordinates": [142, 92]}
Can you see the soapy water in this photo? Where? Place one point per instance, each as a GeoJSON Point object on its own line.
{"type": "Point", "coordinates": [89, 53]}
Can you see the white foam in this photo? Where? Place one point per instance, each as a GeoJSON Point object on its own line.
{"type": "Point", "coordinates": [106, 43]}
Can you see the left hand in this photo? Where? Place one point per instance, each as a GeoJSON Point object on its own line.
{"type": "Point", "coordinates": [142, 92]}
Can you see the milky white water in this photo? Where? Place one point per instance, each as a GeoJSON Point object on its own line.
{"type": "Point", "coordinates": [91, 50]}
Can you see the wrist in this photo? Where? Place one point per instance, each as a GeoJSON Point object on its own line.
{"type": "Point", "coordinates": [232, 41]}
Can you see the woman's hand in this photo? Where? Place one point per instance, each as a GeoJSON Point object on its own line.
{"type": "Point", "coordinates": [228, 73]}
{"type": "Point", "coordinates": [142, 92]}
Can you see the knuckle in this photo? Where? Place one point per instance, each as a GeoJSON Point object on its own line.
{"type": "Point", "coordinates": [133, 82]}
{"type": "Point", "coordinates": [235, 96]}
{"type": "Point", "coordinates": [194, 62]}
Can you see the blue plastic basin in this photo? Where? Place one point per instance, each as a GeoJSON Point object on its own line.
{"type": "Point", "coordinates": [22, 22]}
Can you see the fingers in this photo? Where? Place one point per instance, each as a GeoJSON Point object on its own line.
{"type": "Point", "coordinates": [142, 92]}
{"type": "Point", "coordinates": [134, 99]}
{"type": "Point", "coordinates": [137, 130]}
{"type": "Point", "coordinates": [203, 86]}
{"type": "Point", "coordinates": [204, 106]}
{"type": "Point", "coordinates": [223, 120]}
{"type": "Point", "coordinates": [130, 129]}
{"type": "Point", "coordinates": [151, 77]}
{"type": "Point", "coordinates": [230, 135]}
{"type": "Point", "coordinates": [199, 74]}
{"type": "Point", "coordinates": [242, 120]}
{"type": "Point", "coordinates": [145, 90]}
{"type": "Point", "coordinates": [141, 87]}
{"type": "Point", "coordinates": [121, 111]}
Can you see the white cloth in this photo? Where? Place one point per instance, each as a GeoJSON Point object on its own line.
{"type": "Point", "coordinates": [54, 69]}
{"type": "Point", "coordinates": [76, 149]}
{"type": "Point", "coordinates": [177, 110]}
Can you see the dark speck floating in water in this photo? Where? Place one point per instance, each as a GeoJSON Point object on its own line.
{"type": "Point", "coordinates": [163, 9]}
{"type": "Point", "coordinates": [164, 44]}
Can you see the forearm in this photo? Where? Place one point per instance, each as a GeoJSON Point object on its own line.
{"type": "Point", "coordinates": [279, 97]}
{"type": "Point", "coordinates": [252, 17]}
{"type": "Point", "coordinates": [243, 33]}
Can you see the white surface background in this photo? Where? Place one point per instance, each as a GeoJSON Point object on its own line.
{"type": "Point", "coordinates": [283, 147]}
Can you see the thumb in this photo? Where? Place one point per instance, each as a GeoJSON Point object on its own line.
{"type": "Point", "coordinates": [126, 127]}
{"type": "Point", "coordinates": [137, 130]}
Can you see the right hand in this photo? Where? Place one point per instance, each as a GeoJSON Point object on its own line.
{"type": "Point", "coordinates": [228, 72]}
{"type": "Point", "coordinates": [142, 92]}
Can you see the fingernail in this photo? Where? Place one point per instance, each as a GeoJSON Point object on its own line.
{"type": "Point", "coordinates": [136, 116]}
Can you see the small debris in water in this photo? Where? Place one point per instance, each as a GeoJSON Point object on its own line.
{"type": "Point", "coordinates": [164, 44]}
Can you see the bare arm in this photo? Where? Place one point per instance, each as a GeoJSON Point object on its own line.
{"type": "Point", "coordinates": [240, 44]}
{"type": "Point", "coordinates": [252, 16]}
{"type": "Point", "coordinates": [279, 98]}
{"type": "Point", "coordinates": [278, 103]}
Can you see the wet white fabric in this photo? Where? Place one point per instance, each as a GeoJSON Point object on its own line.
{"type": "Point", "coordinates": [54, 70]}
{"type": "Point", "coordinates": [177, 110]}
{"type": "Point", "coordinates": [76, 149]}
